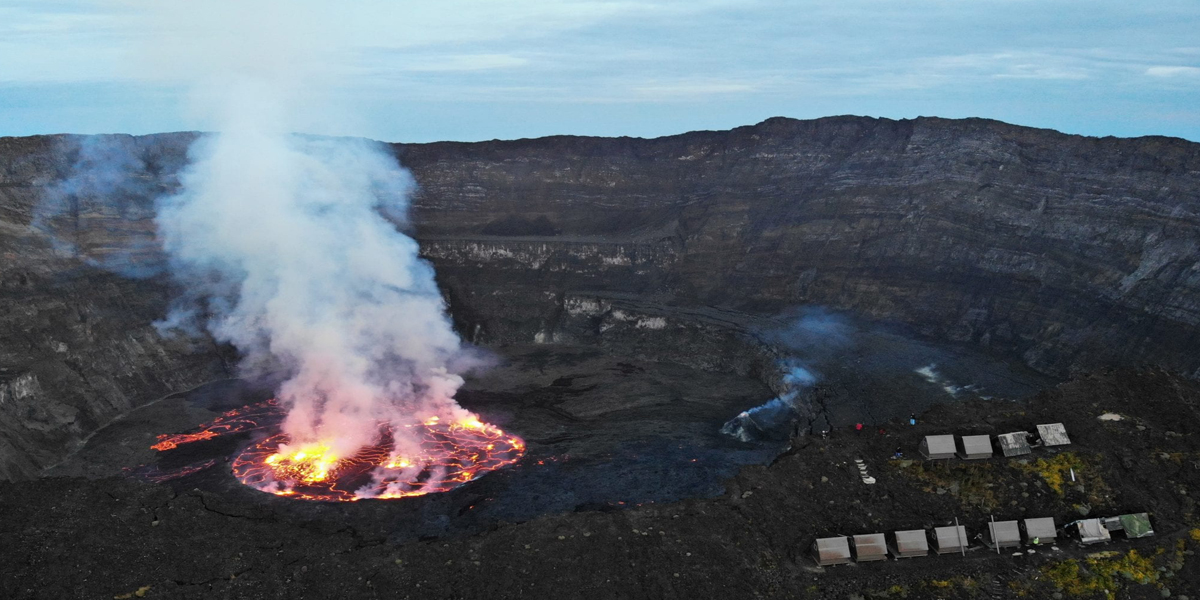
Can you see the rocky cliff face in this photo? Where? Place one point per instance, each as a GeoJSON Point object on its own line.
{"type": "Point", "coordinates": [1066, 252]}
{"type": "Point", "coordinates": [77, 345]}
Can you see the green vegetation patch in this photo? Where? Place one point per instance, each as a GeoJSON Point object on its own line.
{"type": "Point", "coordinates": [973, 483]}
{"type": "Point", "coordinates": [1056, 472]}
{"type": "Point", "coordinates": [1103, 574]}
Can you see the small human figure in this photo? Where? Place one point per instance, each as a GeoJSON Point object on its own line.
{"type": "Point", "coordinates": [912, 419]}
{"type": "Point", "coordinates": [882, 431]}
{"type": "Point", "coordinates": [899, 453]}
{"type": "Point", "coordinates": [858, 427]}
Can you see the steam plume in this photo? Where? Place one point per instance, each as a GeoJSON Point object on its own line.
{"type": "Point", "coordinates": [282, 247]}
{"type": "Point", "coordinates": [281, 241]}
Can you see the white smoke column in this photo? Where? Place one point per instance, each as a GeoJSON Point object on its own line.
{"type": "Point", "coordinates": [280, 244]}
{"type": "Point", "coordinates": [283, 239]}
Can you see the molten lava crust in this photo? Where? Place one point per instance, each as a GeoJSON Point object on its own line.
{"type": "Point", "coordinates": [450, 455]}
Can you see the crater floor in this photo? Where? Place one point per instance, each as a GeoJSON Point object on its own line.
{"type": "Point", "coordinates": [604, 431]}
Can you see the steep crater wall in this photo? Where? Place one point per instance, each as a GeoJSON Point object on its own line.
{"type": "Point", "coordinates": [1063, 251]}
{"type": "Point", "coordinates": [1069, 252]}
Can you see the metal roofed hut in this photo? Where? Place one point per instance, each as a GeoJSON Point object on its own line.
{"type": "Point", "coordinates": [1004, 534]}
{"type": "Point", "coordinates": [869, 547]}
{"type": "Point", "coordinates": [1053, 434]}
{"type": "Point", "coordinates": [911, 543]}
{"type": "Point", "coordinates": [831, 551]}
{"type": "Point", "coordinates": [938, 446]}
{"type": "Point", "coordinates": [976, 447]}
{"type": "Point", "coordinates": [1136, 525]}
{"type": "Point", "coordinates": [951, 539]}
{"type": "Point", "coordinates": [1092, 531]}
{"type": "Point", "coordinates": [1015, 443]}
{"type": "Point", "coordinates": [1040, 530]}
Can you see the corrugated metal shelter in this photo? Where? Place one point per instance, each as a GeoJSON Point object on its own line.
{"type": "Point", "coordinates": [951, 539]}
{"type": "Point", "coordinates": [976, 447]}
{"type": "Point", "coordinates": [911, 543]}
{"type": "Point", "coordinates": [1092, 531]}
{"type": "Point", "coordinates": [1053, 434]}
{"type": "Point", "coordinates": [1015, 443]}
{"type": "Point", "coordinates": [1137, 525]}
{"type": "Point", "coordinates": [1041, 529]}
{"type": "Point", "coordinates": [870, 546]}
{"type": "Point", "coordinates": [938, 446]}
{"type": "Point", "coordinates": [831, 551]}
{"type": "Point", "coordinates": [1004, 534]}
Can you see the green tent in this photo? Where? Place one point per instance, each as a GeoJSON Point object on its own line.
{"type": "Point", "coordinates": [1137, 525]}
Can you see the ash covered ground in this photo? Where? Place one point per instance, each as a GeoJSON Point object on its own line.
{"type": "Point", "coordinates": [736, 523]}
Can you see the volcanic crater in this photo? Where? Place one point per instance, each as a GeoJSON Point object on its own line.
{"type": "Point", "coordinates": [634, 296]}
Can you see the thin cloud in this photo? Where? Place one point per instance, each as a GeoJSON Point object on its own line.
{"type": "Point", "coordinates": [1173, 72]}
{"type": "Point", "coordinates": [998, 58]}
{"type": "Point", "coordinates": [673, 90]}
{"type": "Point", "coordinates": [1034, 71]}
{"type": "Point", "coordinates": [462, 62]}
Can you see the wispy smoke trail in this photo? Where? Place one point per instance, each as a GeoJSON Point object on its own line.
{"type": "Point", "coordinates": [768, 419]}
{"type": "Point", "coordinates": [106, 184]}
{"type": "Point", "coordinates": [814, 335]}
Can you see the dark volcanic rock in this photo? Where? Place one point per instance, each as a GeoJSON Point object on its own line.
{"type": "Point", "coordinates": [1064, 251]}
{"type": "Point", "coordinates": [77, 538]}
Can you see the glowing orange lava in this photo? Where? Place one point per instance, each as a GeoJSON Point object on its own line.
{"type": "Point", "coordinates": [247, 418]}
{"type": "Point", "coordinates": [173, 441]}
{"type": "Point", "coordinates": [449, 455]}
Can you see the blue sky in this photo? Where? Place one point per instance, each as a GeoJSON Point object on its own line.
{"type": "Point", "coordinates": [471, 70]}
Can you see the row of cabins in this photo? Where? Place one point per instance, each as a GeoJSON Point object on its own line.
{"type": "Point", "coordinates": [977, 447]}
{"type": "Point", "coordinates": [954, 539]}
